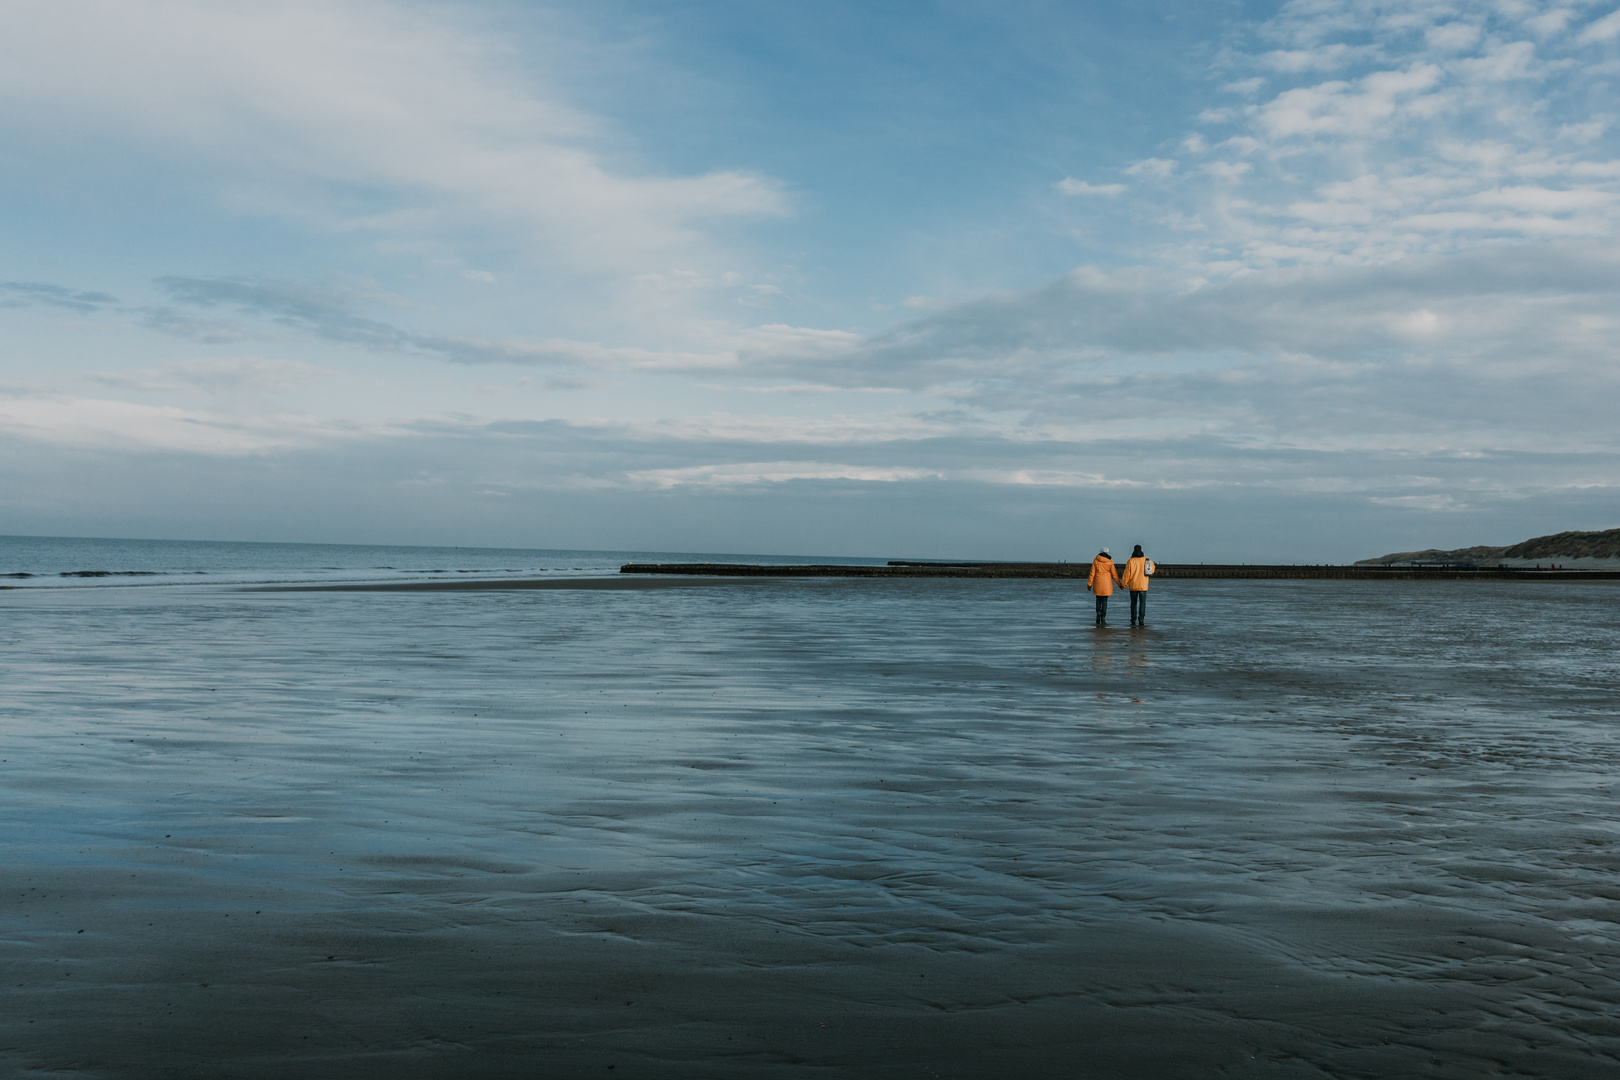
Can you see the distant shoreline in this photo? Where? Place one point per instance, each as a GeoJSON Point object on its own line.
{"type": "Point", "coordinates": [1165, 571]}
{"type": "Point", "coordinates": [643, 576]}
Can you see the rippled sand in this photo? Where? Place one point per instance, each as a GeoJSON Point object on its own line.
{"type": "Point", "coordinates": [812, 828]}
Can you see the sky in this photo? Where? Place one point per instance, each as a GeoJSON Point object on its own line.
{"type": "Point", "coordinates": [1307, 281]}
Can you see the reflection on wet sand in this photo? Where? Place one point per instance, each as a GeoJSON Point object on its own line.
{"type": "Point", "coordinates": [781, 828]}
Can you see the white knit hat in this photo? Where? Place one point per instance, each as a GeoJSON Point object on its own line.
{"type": "Point", "coordinates": [1105, 551]}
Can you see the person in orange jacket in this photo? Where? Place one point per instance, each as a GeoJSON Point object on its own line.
{"type": "Point", "coordinates": [1101, 581]}
{"type": "Point", "coordinates": [1135, 578]}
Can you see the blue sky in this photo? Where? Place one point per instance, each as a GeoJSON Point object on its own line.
{"type": "Point", "coordinates": [1308, 281]}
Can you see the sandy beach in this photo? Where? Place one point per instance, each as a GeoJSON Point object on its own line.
{"type": "Point", "coordinates": [794, 828]}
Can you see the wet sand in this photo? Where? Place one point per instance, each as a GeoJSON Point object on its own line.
{"type": "Point", "coordinates": [794, 828]}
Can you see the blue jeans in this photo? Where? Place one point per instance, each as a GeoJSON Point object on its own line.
{"type": "Point", "coordinates": [1102, 608]}
{"type": "Point", "coordinates": [1139, 606]}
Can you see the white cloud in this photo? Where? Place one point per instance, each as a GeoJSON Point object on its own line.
{"type": "Point", "coordinates": [1604, 29]}
{"type": "Point", "coordinates": [101, 424]}
{"type": "Point", "coordinates": [1159, 168]}
{"type": "Point", "coordinates": [1454, 353]}
{"type": "Point", "coordinates": [1245, 87]}
{"type": "Point", "coordinates": [773, 472]}
{"type": "Point", "coordinates": [1453, 36]}
{"type": "Point", "coordinates": [1545, 200]}
{"type": "Point", "coordinates": [1418, 324]}
{"type": "Point", "coordinates": [1070, 186]}
{"type": "Point", "coordinates": [218, 375]}
{"type": "Point", "coordinates": [1584, 132]}
{"type": "Point", "coordinates": [848, 430]}
{"type": "Point", "coordinates": [1062, 478]}
{"type": "Point", "coordinates": [759, 343]}
{"type": "Point", "coordinates": [1430, 503]}
{"type": "Point", "coordinates": [1345, 108]}
{"type": "Point", "coordinates": [1321, 58]}
{"type": "Point", "coordinates": [1548, 23]}
{"type": "Point", "coordinates": [358, 95]}
{"type": "Point", "coordinates": [1227, 170]}
{"type": "Point", "coordinates": [1441, 127]}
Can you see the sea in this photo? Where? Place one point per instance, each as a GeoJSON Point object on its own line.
{"type": "Point", "coordinates": [57, 561]}
{"type": "Point", "coordinates": [795, 827]}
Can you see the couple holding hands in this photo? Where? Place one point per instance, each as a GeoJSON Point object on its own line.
{"type": "Point", "coordinates": [1105, 575]}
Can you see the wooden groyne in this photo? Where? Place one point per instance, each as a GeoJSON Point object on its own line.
{"type": "Point", "coordinates": [901, 568]}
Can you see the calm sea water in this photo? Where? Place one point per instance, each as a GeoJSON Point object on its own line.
{"type": "Point", "coordinates": [784, 828]}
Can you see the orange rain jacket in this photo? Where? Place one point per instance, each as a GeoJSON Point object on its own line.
{"type": "Point", "coordinates": [1135, 577]}
{"type": "Point", "coordinates": [1104, 575]}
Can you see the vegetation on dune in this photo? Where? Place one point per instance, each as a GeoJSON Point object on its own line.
{"type": "Point", "coordinates": [1564, 545]}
